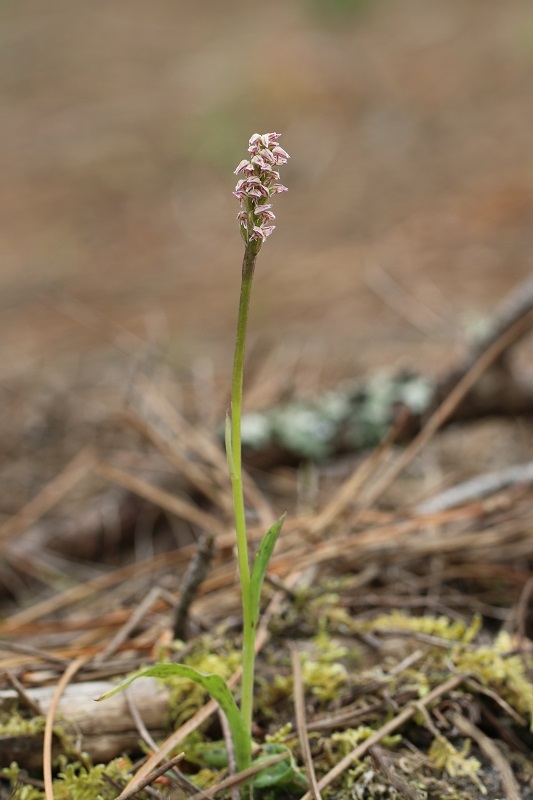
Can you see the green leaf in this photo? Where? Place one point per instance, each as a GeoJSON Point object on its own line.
{"type": "Point", "coordinates": [217, 688]}
{"type": "Point", "coordinates": [264, 554]}
{"type": "Point", "coordinates": [284, 773]}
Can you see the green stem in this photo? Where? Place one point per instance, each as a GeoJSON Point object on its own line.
{"type": "Point", "coordinates": [235, 461]}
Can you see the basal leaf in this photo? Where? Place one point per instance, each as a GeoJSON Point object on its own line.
{"type": "Point", "coordinates": [219, 691]}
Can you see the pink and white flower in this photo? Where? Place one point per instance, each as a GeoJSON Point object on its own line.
{"type": "Point", "coordinates": [259, 185]}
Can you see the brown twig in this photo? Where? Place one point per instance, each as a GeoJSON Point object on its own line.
{"type": "Point", "coordinates": [450, 403]}
{"type": "Point", "coordinates": [206, 449]}
{"type": "Point", "coordinates": [491, 751]}
{"type": "Point", "coordinates": [152, 776]}
{"type": "Point", "coordinates": [182, 509]}
{"type": "Point", "coordinates": [48, 497]}
{"type": "Point", "coordinates": [28, 701]}
{"type": "Point", "coordinates": [230, 750]}
{"type": "Point", "coordinates": [49, 726]}
{"type": "Point", "coordinates": [192, 580]}
{"type": "Point", "coordinates": [135, 617]}
{"type": "Point", "coordinates": [522, 609]}
{"type": "Point", "coordinates": [347, 493]}
{"type": "Point", "coordinates": [405, 791]}
{"type": "Point", "coordinates": [195, 474]}
{"type": "Point", "coordinates": [301, 724]}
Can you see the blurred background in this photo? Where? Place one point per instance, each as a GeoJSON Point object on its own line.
{"type": "Point", "coordinates": [409, 212]}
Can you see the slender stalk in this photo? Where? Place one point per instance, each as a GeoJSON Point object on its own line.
{"type": "Point", "coordinates": [235, 462]}
{"type": "Point", "coordinates": [253, 191]}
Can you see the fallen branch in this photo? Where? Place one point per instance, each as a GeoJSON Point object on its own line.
{"type": "Point", "coordinates": [102, 730]}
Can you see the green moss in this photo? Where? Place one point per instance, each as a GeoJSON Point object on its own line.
{"type": "Point", "coordinates": [280, 736]}
{"type": "Point", "coordinates": [458, 764]}
{"type": "Point", "coordinates": [343, 742]}
{"type": "Point", "coordinates": [323, 674]}
{"type": "Point", "coordinates": [14, 724]}
{"type": "Point", "coordinates": [507, 675]}
{"type": "Point", "coordinates": [75, 782]}
{"type": "Point", "coordinates": [441, 627]}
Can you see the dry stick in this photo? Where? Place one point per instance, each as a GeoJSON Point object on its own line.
{"type": "Point", "coordinates": [514, 306]}
{"type": "Point", "coordinates": [450, 403]}
{"type": "Point", "coordinates": [28, 701]}
{"type": "Point", "coordinates": [192, 580]}
{"type": "Point", "coordinates": [404, 790]}
{"type": "Point", "coordinates": [479, 487]}
{"type": "Point", "coordinates": [389, 727]}
{"type": "Point", "coordinates": [165, 767]}
{"type": "Point", "coordinates": [368, 542]}
{"type": "Point", "coordinates": [49, 727]}
{"type": "Point", "coordinates": [193, 438]}
{"type": "Point", "coordinates": [349, 489]}
{"type": "Point", "coordinates": [37, 652]}
{"type": "Point", "coordinates": [207, 449]}
{"type": "Point", "coordinates": [134, 619]}
{"type": "Point", "coordinates": [102, 582]}
{"type": "Point", "coordinates": [174, 505]}
{"type": "Point", "coordinates": [204, 713]}
{"type": "Point", "coordinates": [194, 473]}
{"type": "Point", "coordinates": [487, 746]}
{"type": "Point", "coordinates": [148, 739]}
{"type": "Point", "coordinates": [47, 498]}
{"type": "Point", "coordinates": [403, 302]}
{"type": "Point", "coordinates": [301, 724]}
{"type": "Point", "coordinates": [173, 740]}
{"type": "Point", "coordinates": [498, 700]}
{"type": "Point", "coordinates": [143, 731]}
{"type": "Point", "coordinates": [522, 609]}
{"type": "Point", "coordinates": [230, 750]}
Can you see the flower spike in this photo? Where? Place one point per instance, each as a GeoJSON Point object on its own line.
{"type": "Point", "coordinates": [258, 185]}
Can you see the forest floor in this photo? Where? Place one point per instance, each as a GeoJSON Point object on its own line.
{"type": "Point", "coordinates": [402, 630]}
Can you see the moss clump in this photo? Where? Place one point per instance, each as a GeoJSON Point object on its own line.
{"type": "Point", "coordinates": [457, 763]}
{"type": "Point", "coordinates": [442, 627]}
{"type": "Point", "coordinates": [323, 674]}
{"type": "Point", "coordinates": [75, 782]}
{"type": "Point", "coordinates": [14, 724]}
{"type": "Point", "coordinates": [492, 667]}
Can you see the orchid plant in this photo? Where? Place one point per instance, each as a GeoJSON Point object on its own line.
{"type": "Point", "coordinates": [254, 190]}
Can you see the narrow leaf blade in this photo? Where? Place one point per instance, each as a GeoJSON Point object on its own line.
{"type": "Point", "coordinates": [262, 559]}
{"type": "Point", "coordinates": [217, 688]}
